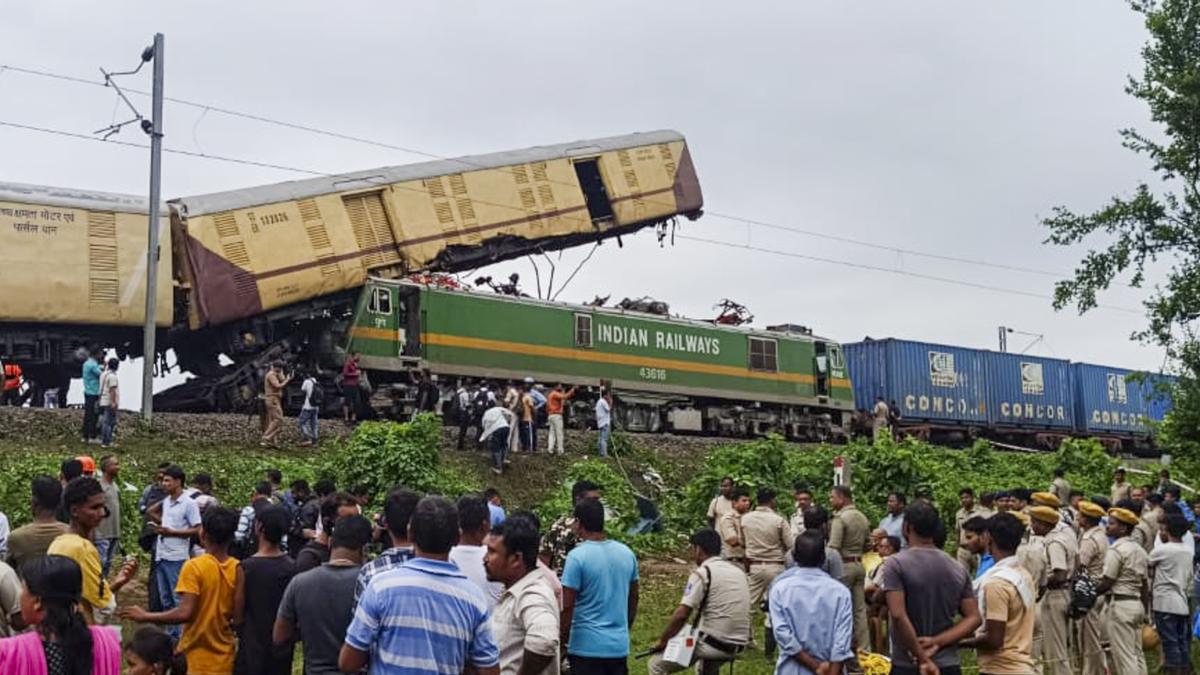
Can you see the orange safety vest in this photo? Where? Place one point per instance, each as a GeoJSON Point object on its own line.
{"type": "Point", "coordinates": [12, 376]}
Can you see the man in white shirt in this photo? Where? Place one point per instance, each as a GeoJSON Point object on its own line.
{"type": "Point", "coordinates": [496, 423]}
{"type": "Point", "coordinates": [179, 520]}
{"type": "Point", "coordinates": [474, 524]}
{"type": "Point", "coordinates": [309, 413]}
{"type": "Point", "coordinates": [1171, 570]}
{"type": "Point", "coordinates": [525, 622]}
{"type": "Point", "coordinates": [604, 421]}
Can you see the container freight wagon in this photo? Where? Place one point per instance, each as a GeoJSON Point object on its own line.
{"type": "Point", "coordinates": [667, 374]}
{"type": "Point", "coordinates": [954, 394]}
{"type": "Point", "coordinates": [74, 266]}
{"type": "Point", "coordinates": [1029, 395]}
{"type": "Point", "coordinates": [939, 390]}
{"type": "Point", "coordinates": [1111, 401]}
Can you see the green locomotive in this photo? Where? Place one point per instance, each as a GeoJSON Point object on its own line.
{"type": "Point", "coordinates": [667, 374]}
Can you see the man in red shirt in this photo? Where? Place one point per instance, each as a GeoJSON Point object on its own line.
{"type": "Point", "coordinates": [350, 374]}
{"type": "Point", "coordinates": [554, 412]}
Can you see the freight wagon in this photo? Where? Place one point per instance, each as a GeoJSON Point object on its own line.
{"type": "Point", "coordinates": [666, 373]}
{"type": "Point", "coordinates": [74, 266]}
{"type": "Point", "coordinates": [955, 394]}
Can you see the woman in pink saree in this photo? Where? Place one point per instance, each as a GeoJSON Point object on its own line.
{"type": "Point", "coordinates": [60, 642]}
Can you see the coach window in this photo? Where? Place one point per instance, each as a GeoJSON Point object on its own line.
{"type": "Point", "coordinates": [764, 355]}
{"type": "Point", "coordinates": [583, 330]}
{"type": "Point", "coordinates": [381, 301]}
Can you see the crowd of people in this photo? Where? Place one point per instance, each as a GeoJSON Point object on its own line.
{"type": "Point", "coordinates": [455, 586]}
{"type": "Point", "coordinates": [501, 417]}
{"type": "Point", "coordinates": [1050, 581]}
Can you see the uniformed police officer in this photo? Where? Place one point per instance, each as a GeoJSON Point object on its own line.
{"type": "Point", "coordinates": [1060, 487]}
{"type": "Point", "coordinates": [849, 535]}
{"type": "Point", "coordinates": [1062, 557]}
{"type": "Point", "coordinates": [733, 546]}
{"type": "Point", "coordinates": [767, 538]}
{"type": "Point", "coordinates": [1124, 578]}
{"type": "Point", "coordinates": [1031, 553]}
{"type": "Point", "coordinates": [968, 510]}
{"type": "Point", "coordinates": [718, 590]}
{"type": "Point", "coordinates": [1143, 534]}
{"type": "Point", "coordinates": [1093, 545]}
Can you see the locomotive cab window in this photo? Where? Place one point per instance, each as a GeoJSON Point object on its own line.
{"type": "Point", "coordinates": [583, 330]}
{"type": "Point", "coordinates": [836, 360]}
{"type": "Point", "coordinates": [380, 301]}
{"type": "Point", "coordinates": [764, 355]}
{"type": "Point", "coordinates": [592, 183]}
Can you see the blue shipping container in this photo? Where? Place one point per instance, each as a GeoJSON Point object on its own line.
{"type": "Point", "coordinates": [1157, 391]}
{"type": "Point", "coordinates": [929, 383]}
{"type": "Point", "coordinates": [1029, 392]}
{"type": "Point", "coordinates": [1108, 400]}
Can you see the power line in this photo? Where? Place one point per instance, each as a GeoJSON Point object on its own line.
{"type": "Point", "coordinates": [423, 153]}
{"type": "Point", "coordinates": [874, 268]}
{"type": "Point", "coordinates": [131, 144]}
{"type": "Point", "coordinates": [747, 247]}
{"type": "Point", "coordinates": [884, 247]}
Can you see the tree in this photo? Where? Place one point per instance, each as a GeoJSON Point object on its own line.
{"type": "Point", "coordinates": [1158, 225]}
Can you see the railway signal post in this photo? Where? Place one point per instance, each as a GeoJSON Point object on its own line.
{"type": "Point", "coordinates": [154, 53]}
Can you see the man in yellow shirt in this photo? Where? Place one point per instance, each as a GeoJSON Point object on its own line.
{"type": "Point", "coordinates": [206, 599]}
{"type": "Point", "coordinates": [84, 501]}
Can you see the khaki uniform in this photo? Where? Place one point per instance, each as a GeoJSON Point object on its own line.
{"type": "Point", "coordinates": [1032, 556]}
{"type": "Point", "coordinates": [1151, 518]}
{"type": "Point", "coordinates": [767, 539]}
{"type": "Point", "coordinates": [726, 615]}
{"type": "Point", "coordinates": [272, 398]}
{"type": "Point", "coordinates": [1060, 488]}
{"type": "Point", "coordinates": [1127, 563]}
{"type": "Point", "coordinates": [1093, 627]}
{"type": "Point", "coordinates": [1144, 534]}
{"type": "Point", "coordinates": [1119, 491]}
{"type": "Point", "coordinates": [797, 523]}
{"type": "Point", "coordinates": [849, 535]}
{"type": "Point", "coordinates": [718, 507]}
{"type": "Point", "coordinates": [730, 527]}
{"type": "Point", "coordinates": [1062, 554]}
{"type": "Point", "coordinates": [968, 560]}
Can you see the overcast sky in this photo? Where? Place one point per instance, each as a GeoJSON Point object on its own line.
{"type": "Point", "coordinates": [943, 127]}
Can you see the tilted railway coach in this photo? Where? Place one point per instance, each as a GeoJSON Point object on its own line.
{"type": "Point", "coordinates": [74, 272]}
{"type": "Point", "coordinates": [256, 273]}
{"type": "Point", "coordinates": [667, 373]}
{"type": "Point", "coordinates": [271, 270]}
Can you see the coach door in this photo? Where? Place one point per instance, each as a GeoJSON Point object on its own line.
{"type": "Point", "coordinates": [821, 367]}
{"type": "Point", "coordinates": [592, 183]}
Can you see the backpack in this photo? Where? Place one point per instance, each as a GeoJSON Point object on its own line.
{"type": "Point", "coordinates": [481, 402]}
{"type": "Point", "coordinates": [248, 546]}
{"type": "Point", "coordinates": [316, 398]}
{"type": "Point", "coordinates": [1083, 596]}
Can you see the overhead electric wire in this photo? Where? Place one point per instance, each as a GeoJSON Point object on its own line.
{"type": "Point", "coordinates": [734, 245]}
{"type": "Point", "coordinates": [431, 155]}
{"type": "Point", "coordinates": [174, 151]}
{"type": "Point", "coordinates": [889, 270]}
{"type": "Point", "coordinates": [883, 247]}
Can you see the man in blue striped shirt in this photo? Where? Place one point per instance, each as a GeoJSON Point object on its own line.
{"type": "Point", "coordinates": [397, 511]}
{"type": "Point", "coordinates": [424, 617]}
